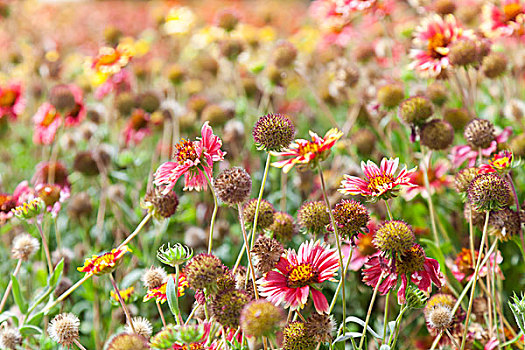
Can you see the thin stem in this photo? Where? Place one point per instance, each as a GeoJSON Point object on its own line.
{"type": "Point", "coordinates": [137, 230]}
{"type": "Point", "coordinates": [370, 307]}
{"type": "Point", "coordinates": [80, 346]}
{"type": "Point", "coordinates": [509, 177]}
{"type": "Point", "coordinates": [425, 167]}
{"type": "Point", "coordinates": [57, 234]}
{"type": "Point", "coordinates": [338, 242]}
{"type": "Point", "coordinates": [214, 214]}
{"type": "Point", "coordinates": [122, 303]}
{"type": "Point", "coordinates": [395, 334]}
{"type": "Point", "coordinates": [390, 217]}
{"type": "Point", "coordinates": [46, 247]}
{"type": "Point", "coordinates": [241, 253]}
{"type": "Point", "coordinates": [259, 198]}
{"type": "Point", "coordinates": [248, 253]}
{"type": "Point", "coordinates": [385, 319]}
{"type": "Point", "coordinates": [67, 292]}
{"type": "Point", "coordinates": [471, 234]}
{"type": "Point", "coordinates": [336, 294]}
{"type": "Point", "coordinates": [161, 314]}
{"type": "Point", "coordinates": [10, 285]}
{"type": "Point", "coordinates": [452, 338]}
{"type": "Point", "coordinates": [178, 315]}
{"type": "Point", "coordinates": [475, 278]}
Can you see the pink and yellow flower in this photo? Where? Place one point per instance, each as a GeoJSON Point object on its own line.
{"type": "Point", "coordinates": [463, 266]}
{"type": "Point", "coordinates": [191, 159]}
{"type": "Point", "coordinates": [505, 20]}
{"type": "Point", "coordinates": [111, 60]}
{"type": "Point", "coordinates": [437, 178]}
{"type": "Point", "coordinates": [159, 294]}
{"type": "Point", "coordinates": [298, 275]}
{"type": "Point", "coordinates": [12, 103]}
{"type": "Point", "coordinates": [500, 163]}
{"type": "Point", "coordinates": [432, 40]}
{"type": "Point", "coordinates": [125, 294]}
{"type": "Point", "coordinates": [74, 116]}
{"type": "Point", "coordinates": [379, 182]}
{"type": "Point", "coordinates": [47, 120]}
{"type": "Point", "coordinates": [104, 263]}
{"type": "Point", "coordinates": [308, 152]}
{"type": "Point", "coordinates": [10, 201]}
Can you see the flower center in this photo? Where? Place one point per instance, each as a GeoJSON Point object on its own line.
{"type": "Point", "coordinates": [7, 98]}
{"type": "Point", "coordinates": [411, 261]}
{"type": "Point", "coordinates": [138, 120]}
{"type": "Point", "coordinates": [365, 245]}
{"type": "Point", "coordinates": [50, 194]}
{"type": "Point", "coordinates": [185, 151]}
{"type": "Point", "coordinates": [310, 147]}
{"type": "Point", "coordinates": [109, 59]}
{"type": "Point", "coordinates": [435, 45]}
{"type": "Point", "coordinates": [301, 275]}
{"type": "Point", "coordinates": [6, 203]}
{"type": "Point", "coordinates": [49, 117]}
{"type": "Point", "coordinates": [464, 261]}
{"type": "Point", "coordinates": [512, 11]}
{"type": "Point", "coordinates": [379, 181]}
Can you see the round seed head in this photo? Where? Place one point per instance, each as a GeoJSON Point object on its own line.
{"type": "Point", "coordinates": [63, 329]}
{"type": "Point", "coordinates": [233, 186]}
{"type": "Point", "coordinates": [517, 145]}
{"type": "Point", "coordinates": [10, 337]}
{"type": "Point", "coordinates": [162, 205]}
{"type": "Point", "coordinates": [273, 132]}
{"type": "Point", "coordinates": [127, 341]}
{"type": "Point", "coordinates": [394, 236]}
{"type": "Point", "coordinates": [411, 260]}
{"type": "Point", "coordinates": [227, 19]}
{"type": "Point", "coordinates": [444, 7]}
{"type": "Point", "coordinates": [463, 53]}
{"type": "Point", "coordinates": [62, 98]}
{"type": "Point", "coordinates": [266, 253]}
{"type": "Point", "coordinates": [79, 206]}
{"type": "Point", "coordinates": [154, 277]}
{"type": "Point", "coordinates": [391, 95]}
{"type": "Point", "coordinates": [296, 337]}
{"type": "Point", "coordinates": [285, 54]}
{"type": "Point", "coordinates": [440, 317]}
{"type": "Point", "coordinates": [313, 216]}
{"type": "Point", "coordinates": [283, 227]}
{"type": "Point", "coordinates": [261, 318]}
{"type": "Point", "coordinates": [125, 103]}
{"type": "Point", "coordinates": [494, 65]}
{"type": "Point", "coordinates": [216, 114]}
{"type": "Point", "coordinates": [479, 133]}
{"type": "Point", "coordinates": [416, 110]}
{"type": "Point", "coordinates": [365, 142]}
{"type": "Point", "coordinates": [203, 270]}
{"type": "Point", "coordinates": [226, 307]}
{"type": "Point", "coordinates": [320, 326]}
{"type": "Point", "coordinates": [457, 117]}
{"type": "Point", "coordinates": [437, 93]}
{"type": "Point", "coordinates": [464, 177]}
{"type": "Point", "coordinates": [505, 223]}
{"type": "Point", "coordinates": [149, 101]}
{"type": "Point", "coordinates": [265, 217]}
{"type": "Point", "coordinates": [24, 246]}
{"type": "Point", "coordinates": [489, 192]}
{"type": "Point", "coordinates": [142, 327]}
{"type": "Point", "coordinates": [351, 217]}
{"type": "Point", "coordinates": [437, 134]}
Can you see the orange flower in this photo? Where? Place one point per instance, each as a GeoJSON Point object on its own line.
{"type": "Point", "coordinates": [125, 294]}
{"type": "Point", "coordinates": [104, 263]}
{"type": "Point", "coordinates": [111, 60]}
{"type": "Point", "coordinates": [160, 293]}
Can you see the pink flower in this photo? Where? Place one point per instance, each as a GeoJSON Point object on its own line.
{"type": "Point", "coordinates": [501, 163]}
{"type": "Point", "coordinates": [308, 152]}
{"type": "Point", "coordinates": [12, 103]}
{"type": "Point", "coordinates": [138, 127]}
{"type": "Point", "coordinates": [380, 182]}
{"type": "Point", "coordinates": [412, 266]}
{"type": "Point", "coordinates": [297, 275]}
{"type": "Point", "coordinates": [463, 266]}
{"type": "Point", "coordinates": [505, 20]}
{"type": "Point", "coordinates": [191, 159]}
{"type": "Point", "coordinates": [460, 154]}
{"type": "Point", "coordinates": [432, 40]}
{"type": "Point", "coordinates": [437, 178]}
{"type": "Point", "coordinates": [10, 201]}
{"type": "Point", "coordinates": [46, 121]}
{"type": "Point", "coordinates": [77, 114]}
{"type": "Point", "coordinates": [119, 82]}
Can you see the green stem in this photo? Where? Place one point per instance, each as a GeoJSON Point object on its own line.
{"type": "Point", "coordinates": [395, 334]}
{"type": "Point", "coordinates": [518, 211]}
{"type": "Point", "coordinates": [122, 303]}
{"type": "Point", "coordinates": [336, 294]}
{"type": "Point", "coordinates": [214, 214]}
{"type": "Point", "coordinates": [425, 168]}
{"type": "Point", "coordinates": [261, 191]}
{"type": "Point", "coordinates": [248, 253]}
{"type": "Point", "coordinates": [385, 319]}
{"type": "Point", "coordinates": [338, 242]}
{"type": "Point", "coordinates": [46, 247]}
{"type": "Point", "coordinates": [390, 217]}
{"type": "Point", "coordinates": [10, 285]}
{"type": "Point", "coordinates": [370, 307]}
{"type": "Point", "coordinates": [178, 315]}
{"type": "Point", "coordinates": [67, 292]}
{"type": "Point", "coordinates": [136, 232]}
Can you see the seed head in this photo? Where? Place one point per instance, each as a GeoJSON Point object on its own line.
{"type": "Point", "coordinates": [63, 329]}
{"type": "Point", "coordinates": [226, 307]}
{"type": "Point", "coordinates": [437, 93]}
{"type": "Point", "coordinates": [176, 74]}
{"type": "Point", "coordinates": [283, 227]}
{"type": "Point", "coordinates": [440, 317]}
{"type": "Point", "coordinates": [351, 217]}
{"type": "Point", "coordinates": [391, 95]}
{"type": "Point", "coordinates": [517, 145]}
{"type": "Point", "coordinates": [24, 246]}
{"type": "Point", "coordinates": [489, 192]}
{"type": "Point", "coordinates": [273, 132]}
{"type": "Point", "coordinates": [437, 134]}
{"type": "Point", "coordinates": [394, 236]}
{"type": "Point", "coordinates": [479, 133]}
{"type": "Point", "coordinates": [10, 337]}
{"type": "Point", "coordinates": [161, 205]}
{"type": "Point", "coordinates": [463, 53]}
{"type": "Point", "coordinates": [494, 65]}
{"type": "Point", "coordinates": [174, 255]}
{"type": "Point", "coordinates": [416, 110]}
{"type": "Point", "coordinates": [266, 253]}
{"type": "Point", "coordinates": [203, 271]}
{"type": "Point", "coordinates": [457, 117]}
{"type": "Point", "coordinates": [231, 48]}
{"type": "Point", "coordinates": [296, 337]}
{"type": "Point", "coordinates": [149, 101]}
{"type": "Point", "coordinates": [444, 7]}
{"type": "Point", "coordinates": [365, 142]}
{"type": "Point", "coordinates": [320, 327]}
{"type": "Point", "coordinates": [411, 260]}
{"type": "Point", "coordinates": [125, 102]}
{"type": "Point", "coordinates": [216, 114]}
{"type": "Point", "coordinates": [61, 97]}
{"type": "Point", "coordinates": [284, 54]}
{"type": "Point", "coordinates": [505, 223]}
{"type": "Point", "coordinates": [464, 177]}
{"type": "Point", "coordinates": [265, 217]}
{"type": "Point", "coordinates": [142, 327]}
{"type": "Point", "coordinates": [80, 206]}
{"type": "Point", "coordinates": [261, 318]}
{"type": "Point", "coordinates": [313, 216]}
{"type": "Point", "coordinates": [127, 341]}
{"type": "Point", "coordinates": [233, 186]}
{"type": "Point", "coordinates": [154, 277]}
{"type": "Point", "coordinates": [227, 19]}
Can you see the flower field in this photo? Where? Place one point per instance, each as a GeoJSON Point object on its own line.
{"type": "Point", "coordinates": [332, 174]}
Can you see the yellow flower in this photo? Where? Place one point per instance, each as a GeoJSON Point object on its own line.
{"type": "Point", "coordinates": [104, 263]}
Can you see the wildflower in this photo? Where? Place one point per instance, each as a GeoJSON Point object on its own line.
{"type": "Point", "coordinates": [10, 337]}
{"type": "Point", "coordinates": [504, 223]}
{"type": "Point", "coordinates": [297, 276]}
{"type": "Point", "coordinates": [142, 327]}
{"type": "Point", "coordinates": [159, 293]}
{"type": "Point", "coordinates": [9, 203]}
{"type": "Point", "coordinates": [283, 226]}
{"type": "Point", "coordinates": [489, 192]}
{"type": "Point", "coordinates": [500, 163]}
{"type": "Point", "coordinates": [464, 177]}
{"type": "Point", "coordinates": [505, 20]}
{"type": "Point", "coordinates": [381, 182]}
{"type": "Point", "coordinates": [104, 263]}
{"type": "Point", "coordinates": [308, 152]}
{"type": "Point", "coordinates": [47, 121]}
{"type": "Point", "coordinates": [351, 218]}
{"type": "Point", "coordinates": [460, 154]}
{"type": "Point", "coordinates": [162, 206]}
{"type": "Point", "coordinates": [313, 216]}
{"type": "Point", "coordinates": [233, 186]}
{"type": "Point", "coordinates": [63, 329]}
{"type": "Point", "coordinates": [191, 159]}
{"type": "Point", "coordinates": [203, 271]}
{"type": "Point", "coordinates": [265, 216]}
{"type": "Point", "coordinates": [179, 20]}
{"type": "Point", "coordinates": [438, 302]}
{"type": "Point", "coordinates": [416, 110]}
{"type": "Point", "coordinates": [463, 266]}
{"type": "Point", "coordinates": [126, 294]}
{"type": "Point", "coordinates": [226, 307]}
{"type": "Point", "coordinates": [439, 318]}
{"type": "Point", "coordinates": [12, 102]}
{"type": "Point", "coordinates": [24, 246]}
{"type": "Point", "coordinates": [296, 337]}
{"type": "Point", "coordinates": [138, 127]}
{"type": "Point", "coordinates": [127, 341]}
{"type": "Point", "coordinates": [394, 237]}
{"type": "Point", "coordinates": [436, 134]}
{"type": "Point", "coordinates": [266, 253]}
{"type": "Point", "coordinates": [29, 210]}
{"type": "Point", "coordinates": [433, 39]}
{"type": "Point", "coordinates": [110, 61]}
{"type": "Point", "coordinates": [390, 95]}
{"type": "Point", "coordinates": [273, 132]}
{"type": "Point", "coordinates": [320, 327]}
{"type": "Point", "coordinates": [494, 65]}
{"type": "Point", "coordinates": [437, 178]}
{"type": "Point", "coordinates": [261, 318]}
{"type": "Point", "coordinates": [479, 133]}
{"type": "Point", "coordinates": [174, 255]}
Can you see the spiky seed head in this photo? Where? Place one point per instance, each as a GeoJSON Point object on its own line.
{"type": "Point", "coordinates": [10, 337]}
{"type": "Point", "coordinates": [125, 103]}
{"type": "Point", "coordinates": [154, 277]}
{"type": "Point", "coordinates": [266, 253]}
{"type": "Point", "coordinates": [416, 110]}
{"type": "Point", "coordinates": [296, 337]}
{"type": "Point", "coordinates": [261, 318]}
{"type": "Point", "coordinates": [313, 216]}
{"type": "Point", "coordinates": [390, 95]}
{"type": "Point", "coordinates": [233, 186]}
{"type": "Point", "coordinates": [161, 205]}
{"type": "Point", "coordinates": [227, 19]}
{"type": "Point", "coordinates": [203, 270]}
{"type": "Point", "coordinates": [216, 114]}
{"type": "Point", "coordinates": [394, 236]}
{"type": "Point", "coordinates": [273, 132]}
{"type": "Point", "coordinates": [284, 54]}
{"type": "Point", "coordinates": [437, 93]}
{"type": "Point", "coordinates": [149, 101]}
{"type": "Point", "coordinates": [463, 53]}
{"type": "Point", "coordinates": [128, 341]}
{"type": "Point", "coordinates": [265, 217]}
{"type": "Point", "coordinates": [504, 223]}
{"type": "Point", "coordinates": [320, 326]}
{"type": "Point", "coordinates": [440, 317]}
{"type": "Point", "coordinates": [411, 260]}
{"type": "Point", "coordinates": [444, 7]}
{"type": "Point", "coordinates": [63, 329]}
{"type": "Point", "coordinates": [464, 177]}
{"type": "Point", "coordinates": [489, 192]}
{"type": "Point", "coordinates": [226, 307]}
{"type": "Point", "coordinates": [457, 117]}
{"type": "Point", "coordinates": [231, 48]}
{"type": "Point", "coordinates": [24, 246]}
{"type": "Point", "coordinates": [142, 327]}
{"type": "Point", "coordinates": [494, 65]}
{"type": "Point", "coordinates": [62, 98]}
{"type": "Point", "coordinates": [479, 133]}
{"type": "Point", "coordinates": [351, 217]}
{"type": "Point", "coordinates": [437, 134]}
{"type": "Point", "coordinates": [283, 227]}
{"type": "Point", "coordinates": [112, 35]}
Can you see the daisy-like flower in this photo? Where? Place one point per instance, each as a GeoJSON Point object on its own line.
{"type": "Point", "coordinates": [308, 152]}
{"type": "Point", "coordinates": [111, 60]}
{"type": "Point", "coordinates": [179, 20]}
{"type": "Point", "coordinates": [191, 158]}
{"type": "Point", "coordinates": [47, 120]}
{"type": "Point", "coordinates": [138, 127]}
{"type": "Point", "coordinates": [413, 265]}
{"type": "Point", "coordinates": [105, 262]}
{"type": "Point", "coordinates": [437, 178]}
{"type": "Point", "coordinates": [159, 294]}
{"type": "Point", "coordinates": [460, 154]}
{"type": "Point", "coordinates": [505, 20]}
{"type": "Point", "coordinates": [9, 201]}
{"type": "Point", "coordinates": [119, 82]}
{"type": "Point", "coordinates": [463, 266]}
{"type": "Point", "coordinates": [500, 163]}
{"type": "Point", "coordinates": [12, 103]}
{"type": "Point", "coordinates": [297, 275]}
{"type": "Point", "coordinates": [126, 294]}
{"type": "Point", "coordinates": [75, 115]}
{"type": "Point", "coordinates": [380, 182]}
{"type": "Point", "coordinates": [432, 40]}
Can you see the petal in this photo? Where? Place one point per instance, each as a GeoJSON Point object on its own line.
{"type": "Point", "coordinates": [320, 302]}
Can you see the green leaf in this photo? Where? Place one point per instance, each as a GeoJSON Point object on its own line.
{"type": "Point", "coordinates": [35, 319]}
{"type": "Point", "coordinates": [29, 330]}
{"type": "Point", "coordinates": [6, 315]}
{"type": "Point", "coordinates": [57, 274]}
{"type": "Point", "coordinates": [19, 299]}
{"type": "Point", "coordinates": [362, 323]}
{"type": "Point", "coordinates": [172, 297]}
